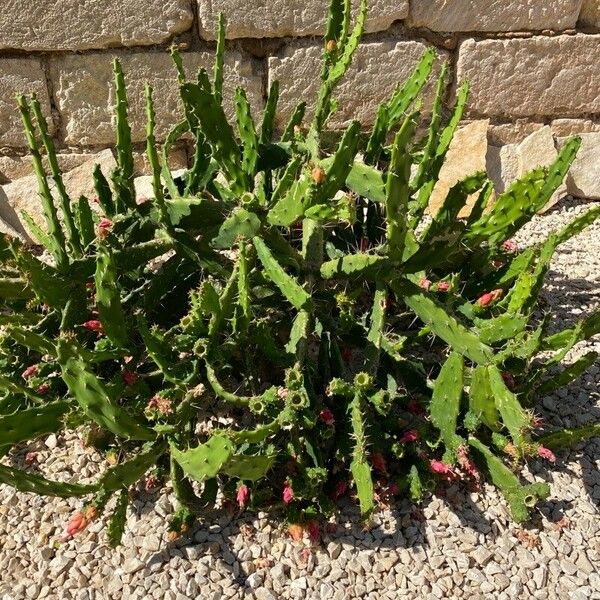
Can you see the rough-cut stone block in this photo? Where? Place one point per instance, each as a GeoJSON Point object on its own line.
{"type": "Point", "coordinates": [22, 194]}
{"type": "Point", "coordinates": [534, 76]}
{"type": "Point", "coordinates": [512, 133]}
{"type": "Point", "coordinates": [84, 91]}
{"type": "Point", "coordinates": [281, 18]}
{"type": "Point", "coordinates": [494, 15]}
{"type": "Point", "coordinates": [466, 156]}
{"type": "Point", "coordinates": [583, 179]}
{"type": "Point", "coordinates": [568, 127]}
{"type": "Point", "coordinates": [15, 167]}
{"type": "Point", "coordinates": [178, 159]}
{"type": "Point", "coordinates": [512, 161]}
{"type": "Point", "coordinates": [19, 76]}
{"type": "Point", "coordinates": [376, 70]}
{"type": "Point", "coordinates": [590, 14]}
{"type": "Point", "coordinates": [85, 24]}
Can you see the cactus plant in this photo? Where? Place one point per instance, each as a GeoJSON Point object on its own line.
{"type": "Point", "coordinates": [293, 288]}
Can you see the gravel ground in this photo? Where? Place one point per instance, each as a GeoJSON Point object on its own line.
{"type": "Point", "coordinates": [460, 546]}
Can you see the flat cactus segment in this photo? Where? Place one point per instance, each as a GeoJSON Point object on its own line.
{"type": "Point", "coordinates": [206, 460]}
{"type": "Point", "coordinates": [502, 327]}
{"type": "Point", "coordinates": [14, 288]}
{"type": "Point", "coordinates": [567, 438]}
{"type": "Point", "coordinates": [55, 231]}
{"type": "Point", "coordinates": [36, 484]}
{"type": "Point", "coordinates": [125, 474]}
{"type": "Point", "coordinates": [247, 131]}
{"type": "Point", "coordinates": [204, 110]}
{"type": "Point", "coordinates": [361, 471]}
{"type": "Point", "coordinates": [367, 182]}
{"type": "Point", "coordinates": [123, 175]}
{"type": "Point", "coordinates": [568, 374]}
{"type": "Point", "coordinates": [376, 328]}
{"type": "Point", "coordinates": [116, 524]}
{"type": "Point", "coordinates": [442, 324]}
{"type": "Point", "coordinates": [108, 298]}
{"type": "Point", "coordinates": [514, 416]}
{"type": "Point", "coordinates": [268, 123]}
{"type": "Point", "coordinates": [30, 423]}
{"type": "Point", "coordinates": [520, 498]}
{"type": "Point", "coordinates": [354, 265]}
{"type": "Point", "coordinates": [241, 223]}
{"type": "Point", "coordinates": [446, 399]}
{"type": "Point", "coordinates": [397, 192]}
{"type": "Point", "coordinates": [92, 396]}
{"type": "Point", "coordinates": [16, 387]}
{"type": "Point", "coordinates": [481, 398]}
{"type": "Point", "coordinates": [341, 165]}
{"type": "Point", "coordinates": [250, 468]}
{"type": "Point", "coordinates": [73, 238]}
{"type": "Point", "coordinates": [288, 286]}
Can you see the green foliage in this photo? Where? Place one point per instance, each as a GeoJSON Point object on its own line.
{"type": "Point", "coordinates": [259, 282]}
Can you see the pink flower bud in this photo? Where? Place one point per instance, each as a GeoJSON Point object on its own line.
{"type": "Point", "coordinates": [129, 377]}
{"type": "Point", "coordinates": [242, 496]}
{"type": "Point", "coordinates": [425, 283]}
{"type": "Point", "coordinates": [509, 380]}
{"type": "Point", "coordinates": [378, 462]}
{"type": "Point", "coordinates": [489, 297]}
{"type": "Point", "coordinates": [288, 493]}
{"type": "Point", "coordinates": [94, 325]}
{"type": "Point", "coordinates": [77, 523]}
{"type": "Point", "coordinates": [509, 246]}
{"type": "Point", "coordinates": [30, 458]}
{"type": "Point", "coordinates": [105, 223]}
{"type": "Point", "coordinates": [30, 372]}
{"type": "Point", "coordinates": [314, 531]}
{"type": "Point", "coordinates": [546, 453]}
{"type": "Point", "coordinates": [43, 388]}
{"type": "Point", "coordinates": [442, 469]}
{"type": "Point", "coordinates": [443, 286]}
{"type": "Point", "coordinates": [327, 417]}
{"type": "Point", "coordinates": [415, 408]}
{"type": "Point", "coordinates": [341, 488]}
{"type": "Point", "coordinates": [409, 436]}
{"type": "Point", "coordinates": [150, 483]}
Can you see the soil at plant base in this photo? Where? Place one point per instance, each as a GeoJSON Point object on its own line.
{"type": "Point", "coordinates": [462, 545]}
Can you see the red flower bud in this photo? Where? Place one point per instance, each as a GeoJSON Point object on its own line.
{"type": "Point", "coordinates": [30, 372]}
{"type": "Point", "coordinates": [546, 453]}
{"type": "Point", "coordinates": [409, 436]}
{"type": "Point", "coordinates": [94, 325]}
{"type": "Point", "coordinates": [378, 462]}
{"type": "Point", "coordinates": [129, 377]}
{"type": "Point", "coordinates": [288, 493]}
{"type": "Point", "coordinates": [242, 496]}
{"type": "Point", "coordinates": [327, 417]}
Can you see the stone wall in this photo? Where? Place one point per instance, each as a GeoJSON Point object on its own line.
{"type": "Point", "coordinates": [534, 68]}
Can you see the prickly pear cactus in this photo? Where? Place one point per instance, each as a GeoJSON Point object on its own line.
{"type": "Point", "coordinates": [295, 285]}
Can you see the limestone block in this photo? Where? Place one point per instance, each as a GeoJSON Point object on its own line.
{"type": "Point", "coordinates": [590, 14]}
{"type": "Point", "coordinates": [466, 156]}
{"type": "Point", "coordinates": [19, 76]}
{"type": "Point", "coordinates": [84, 91]}
{"type": "Point", "coordinates": [281, 18]}
{"type": "Point", "coordinates": [375, 71]}
{"type": "Point", "coordinates": [84, 24]}
{"type": "Point", "coordinates": [583, 179]}
{"type": "Point", "coordinates": [494, 15]}
{"type": "Point", "coordinates": [22, 194]}
{"type": "Point", "coordinates": [532, 77]}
